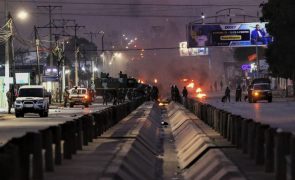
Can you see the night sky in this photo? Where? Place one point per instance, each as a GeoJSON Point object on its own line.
{"type": "Point", "coordinates": [154, 26]}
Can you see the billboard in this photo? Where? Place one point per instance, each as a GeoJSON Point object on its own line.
{"type": "Point", "coordinates": [22, 78]}
{"type": "Point", "coordinates": [239, 34]}
{"type": "Point", "coordinates": [184, 51]}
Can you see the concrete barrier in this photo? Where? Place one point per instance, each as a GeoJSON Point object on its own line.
{"type": "Point", "coordinates": [213, 165]}
{"type": "Point", "coordinates": [282, 149]}
{"type": "Point", "coordinates": [196, 144]}
{"type": "Point", "coordinates": [47, 141]}
{"type": "Point", "coordinates": [142, 130]}
{"type": "Point", "coordinates": [267, 147]}
{"type": "Point", "coordinates": [73, 134]}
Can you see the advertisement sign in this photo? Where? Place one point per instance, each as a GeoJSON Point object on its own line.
{"type": "Point", "coordinates": [240, 34]}
{"type": "Point", "coordinates": [184, 51]}
{"type": "Point", "coordinates": [22, 78]}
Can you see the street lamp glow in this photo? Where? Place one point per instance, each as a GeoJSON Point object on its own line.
{"type": "Point", "coordinates": [67, 71]}
{"type": "Point", "coordinates": [83, 69]}
{"type": "Point", "coordinates": [118, 55]}
{"type": "Point", "coordinates": [202, 16]}
{"type": "Point", "coordinates": [22, 15]}
{"type": "Point", "coordinates": [95, 69]}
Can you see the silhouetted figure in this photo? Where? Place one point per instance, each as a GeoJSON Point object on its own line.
{"type": "Point", "coordinates": [227, 94]}
{"type": "Point", "coordinates": [239, 94]}
{"type": "Point", "coordinates": [105, 97]}
{"type": "Point", "coordinates": [9, 100]}
{"type": "Point", "coordinates": [155, 93]}
{"type": "Point", "coordinates": [184, 92]}
{"type": "Point", "coordinates": [66, 95]}
{"type": "Point", "coordinates": [177, 95]}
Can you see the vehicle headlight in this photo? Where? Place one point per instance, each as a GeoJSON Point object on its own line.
{"type": "Point", "coordinates": [18, 102]}
{"type": "Point", "coordinates": [40, 102]}
{"type": "Point", "coordinates": [256, 93]}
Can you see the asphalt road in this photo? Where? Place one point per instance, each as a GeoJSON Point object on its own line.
{"type": "Point", "coordinates": [280, 113]}
{"type": "Point", "coordinates": [17, 127]}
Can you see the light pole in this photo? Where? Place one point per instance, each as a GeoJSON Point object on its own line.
{"type": "Point", "coordinates": [37, 41]}
{"type": "Point", "coordinates": [102, 49]}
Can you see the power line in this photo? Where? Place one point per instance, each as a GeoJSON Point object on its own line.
{"type": "Point", "coordinates": [141, 4]}
{"type": "Point", "coordinates": [125, 15]}
{"type": "Point", "coordinates": [50, 26]}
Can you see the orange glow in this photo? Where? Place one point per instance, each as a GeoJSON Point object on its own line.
{"type": "Point", "coordinates": [201, 95]}
{"type": "Point", "coordinates": [184, 80]}
{"type": "Point", "coordinates": [86, 96]}
{"type": "Point", "coordinates": [198, 90]}
{"type": "Point", "coordinates": [156, 81]}
{"type": "Point", "coordinates": [191, 85]}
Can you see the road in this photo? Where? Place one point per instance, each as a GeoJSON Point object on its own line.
{"type": "Point", "coordinates": [279, 114]}
{"type": "Point", "coordinates": [17, 127]}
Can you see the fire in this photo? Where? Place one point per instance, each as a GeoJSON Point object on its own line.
{"type": "Point", "coordinates": [156, 81]}
{"type": "Point", "coordinates": [191, 85]}
{"type": "Point", "coordinates": [199, 94]}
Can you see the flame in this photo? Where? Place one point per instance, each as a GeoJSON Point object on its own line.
{"type": "Point", "coordinates": [184, 80]}
{"type": "Point", "coordinates": [191, 85]}
{"type": "Point", "coordinates": [198, 90]}
{"type": "Point", "coordinates": [199, 94]}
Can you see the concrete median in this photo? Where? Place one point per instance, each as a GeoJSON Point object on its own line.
{"type": "Point", "coordinates": [199, 147]}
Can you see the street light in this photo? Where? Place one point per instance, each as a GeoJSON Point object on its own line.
{"type": "Point", "coordinates": [22, 15]}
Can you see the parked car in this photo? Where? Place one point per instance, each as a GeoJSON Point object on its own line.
{"type": "Point", "coordinates": [79, 96]}
{"type": "Point", "coordinates": [32, 99]}
{"type": "Point", "coordinates": [259, 89]}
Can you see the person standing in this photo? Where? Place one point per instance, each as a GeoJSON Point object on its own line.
{"type": "Point", "coordinates": [172, 93]}
{"type": "Point", "coordinates": [184, 92]}
{"type": "Point", "coordinates": [239, 94]}
{"type": "Point", "coordinates": [105, 97]}
{"type": "Point", "coordinates": [9, 100]}
{"type": "Point", "coordinates": [227, 94]}
{"type": "Point", "coordinates": [177, 95]}
{"type": "Point", "coordinates": [66, 95]}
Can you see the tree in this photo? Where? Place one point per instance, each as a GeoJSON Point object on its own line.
{"type": "Point", "coordinates": [280, 54]}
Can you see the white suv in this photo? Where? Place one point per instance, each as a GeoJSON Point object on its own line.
{"type": "Point", "coordinates": [32, 99]}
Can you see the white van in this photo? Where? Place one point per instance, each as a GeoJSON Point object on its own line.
{"type": "Point", "coordinates": [32, 99]}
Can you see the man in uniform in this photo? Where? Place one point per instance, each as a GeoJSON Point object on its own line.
{"type": "Point", "coordinates": [66, 97]}
{"type": "Point", "coordinates": [9, 100]}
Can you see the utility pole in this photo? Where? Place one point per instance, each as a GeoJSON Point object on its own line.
{"type": "Point", "coordinates": [92, 34]}
{"type": "Point", "coordinates": [11, 51]}
{"type": "Point", "coordinates": [50, 9]}
{"type": "Point", "coordinates": [7, 75]}
{"type": "Point", "coordinates": [37, 41]}
{"type": "Point", "coordinates": [76, 28]}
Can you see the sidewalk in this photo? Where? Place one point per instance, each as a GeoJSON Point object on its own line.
{"type": "Point", "coordinates": [5, 116]}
